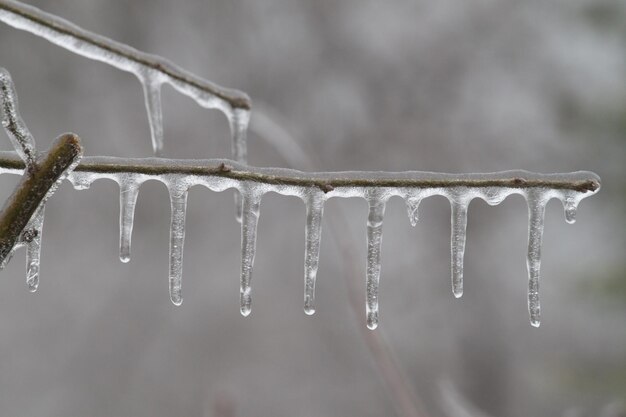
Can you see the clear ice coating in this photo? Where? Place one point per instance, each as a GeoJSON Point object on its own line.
{"type": "Point", "coordinates": [313, 235]}
{"type": "Point", "coordinates": [374, 247]}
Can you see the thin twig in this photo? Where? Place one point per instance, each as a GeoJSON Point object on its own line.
{"type": "Point", "coordinates": [34, 188]}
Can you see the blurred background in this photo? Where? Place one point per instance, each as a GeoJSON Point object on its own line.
{"type": "Point", "coordinates": [452, 85]}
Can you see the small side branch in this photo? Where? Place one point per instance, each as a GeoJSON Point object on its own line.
{"type": "Point", "coordinates": [34, 188]}
{"type": "Point", "coordinates": [83, 42]}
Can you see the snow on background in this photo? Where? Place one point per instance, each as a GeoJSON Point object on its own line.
{"type": "Point", "coordinates": [449, 85]}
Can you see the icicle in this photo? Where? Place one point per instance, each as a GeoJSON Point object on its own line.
{"type": "Point", "coordinates": [458, 227]}
{"type": "Point", "coordinates": [570, 204]}
{"type": "Point", "coordinates": [152, 95]}
{"type": "Point", "coordinates": [128, 198]}
{"type": "Point", "coordinates": [250, 218]}
{"type": "Point", "coordinates": [178, 200]}
{"type": "Point", "coordinates": [313, 236]}
{"type": "Point", "coordinates": [413, 201]}
{"type": "Point", "coordinates": [536, 210]}
{"type": "Point", "coordinates": [32, 238]}
{"type": "Point", "coordinates": [239, 120]}
{"type": "Point", "coordinates": [374, 244]}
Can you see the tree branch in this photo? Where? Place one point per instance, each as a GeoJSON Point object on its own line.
{"type": "Point", "coordinates": [326, 181]}
{"type": "Point", "coordinates": [34, 188]}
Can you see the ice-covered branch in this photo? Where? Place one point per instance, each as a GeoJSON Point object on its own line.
{"type": "Point", "coordinates": [314, 189]}
{"type": "Point", "coordinates": [151, 70]}
{"type": "Point", "coordinates": [21, 218]}
{"type": "Point", "coordinates": [334, 184]}
{"type": "Point", "coordinates": [38, 183]}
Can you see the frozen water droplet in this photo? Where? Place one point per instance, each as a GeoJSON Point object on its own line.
{"type": "Point", "coordinates": [374, 246]}
{"type": "Point", "coordinates": [457, 242]}
{"type": "Point", "coordinates": [536, 212]}
{"type": "Point", "coordinates": [129, 190]}
{"type": "Point", "coordinates": [178, 200]}
{"type": "Point", "coordinates": [313, 235]}
{"type": "Point", "coordinates": [570, 205]}
{"type": "Point", "coordinates": [251, 203]}
{"type": "Point", "coordinates": [412, 207]}
{"type": "Point", "coordinates": [151, 84]}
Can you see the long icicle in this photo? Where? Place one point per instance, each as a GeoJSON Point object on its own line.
{"type": "Point", "coordinates": [251, 203]}
{"type": "Point", "coordinates": [457, 242]}
{"type": "Point", "coordinates": [239, 120]}
{"type": "Point", "coordinates": [32, 239]}
{"type": "Point", "coordinates": [374, 246]}
{"type": "Point", "coordinates": [536, 213]}
{"type": "Point", "coordinates": [178, 200]}
{"type": "Point", "coordinates": [313, 236]}
{"type": "Point", "coordinates": [128, 199]}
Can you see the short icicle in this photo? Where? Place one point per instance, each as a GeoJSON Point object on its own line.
{"type": "Point", "coordinates": [413, 201]}
{"type": "Point", "coordinates": [251, 199]}
{"type": "Point", "coordinates": [374, 245]}
{"type": "Point", "coordinates": [32, 239]}
{"type": "Point", "coordinates": [536, 213]}
{"type": "Point", "coordinates": [458, 228]}
{"type": "Point", "coordinates": [178, 198]}
{"type": "Point", "coordinates": [152, 97]}
{"type": "Point", "coordinates": [570, 205]}
{"type": "Point", "coordinates": [313, 235]}
{"type": "Point", "coordinates": [128, 199]}
{"type": "Point", "coordinates": [239, 120]}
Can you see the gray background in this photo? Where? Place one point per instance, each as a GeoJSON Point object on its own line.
{"type": "Point", "coordinates": [452, 85]}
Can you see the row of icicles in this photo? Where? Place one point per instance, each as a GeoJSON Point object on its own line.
{"type": "Point", "coordinates": [314, 200]}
